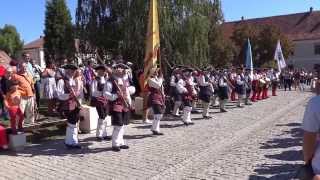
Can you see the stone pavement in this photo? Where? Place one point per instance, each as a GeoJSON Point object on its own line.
{"type": "Point", "coordinates": [262, 141]}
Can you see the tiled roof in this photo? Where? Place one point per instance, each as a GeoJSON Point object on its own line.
{"type": "Point", "coordinates": [36, 44]}
{"type": "Point", "coordinates": [4, 58]}
{"type": "Point", "coordinates": [300, 26]}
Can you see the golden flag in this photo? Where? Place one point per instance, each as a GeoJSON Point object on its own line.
{"type": "Point", "coordinates": [152, 42]}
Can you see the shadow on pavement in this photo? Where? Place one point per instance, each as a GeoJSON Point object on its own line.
{"type": "Point", "coordinates": [286, 170]}
{"type": "Point", "coordinates": [55, 148]}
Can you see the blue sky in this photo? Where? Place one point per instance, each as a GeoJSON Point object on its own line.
{"type": "Point", "coordinates": [28, 15]}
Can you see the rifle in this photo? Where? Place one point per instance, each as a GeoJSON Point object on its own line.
{"type": "Point", "coordinates": [126, 103]}
{"type": "Point", "coordinates": [69, 88]}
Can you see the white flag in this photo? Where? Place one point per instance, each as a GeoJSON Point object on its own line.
{"type": "Point", "coordinates": [278, 56]}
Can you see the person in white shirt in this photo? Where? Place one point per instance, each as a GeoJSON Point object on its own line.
{"type": "Point", "coordinates": [186, 87]}
{"type": "Point", "coordinates": [240, 86]}
{"type": "Point", "coordinates": [311, 127]}
{"type": "Point", "coordinates": [177, 97]}
{"type": "Point", "coordinates": [98, 100]}
{"type": "Point", "coordinates": [156, 99]}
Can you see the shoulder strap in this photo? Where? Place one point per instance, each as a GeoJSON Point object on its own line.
{"type": "Point", "coordinates": [30, 83]}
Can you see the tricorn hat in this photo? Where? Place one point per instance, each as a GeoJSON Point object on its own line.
{"type": "Point", "coordinates": [70, 66]}
{"type": "Point", "coordinates": [100, 67]}
{"type": "Point", "coordinates": [121, 66]}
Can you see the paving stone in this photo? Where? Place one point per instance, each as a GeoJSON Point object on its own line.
{"type": "Point", "coordinates": [262, 141]}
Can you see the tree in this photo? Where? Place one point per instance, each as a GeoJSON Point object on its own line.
{"type": "Point", "coordinates": [184, 28]}
{"type": "Point", "coordinates": [10, 41]}
{"type": "Point", "coordinates": [221, 49]}
{"type": "Point", "coordinates": [263, 41]}
{"type": "Point", "coordinates": [59, 31]}
{"type": "Point", "coordinates": [267, 42]}
{"type": "Point", "coordinates": [240, 37]}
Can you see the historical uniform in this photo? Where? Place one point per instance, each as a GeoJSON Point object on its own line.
{"type": "Point", "coordinates": [248, 87]}
{"type": "Point", "coordinates": [261, 84]}
{"type": "Point", "coordinates": [223, 91]}
{"type": "Point", "coordinates": [274, 76]}
{"type": "Point", "coordinates": [205, 93]}
{"type": "Point", "coordinates": [156, 100]}
{"type": "Point", "coordinates": [119, 94]}
{"type": "Point", "coordinates": [98, 100]}
{"type": "Point", "coordinates": [265, 88]}
{"type": "Point", "coordinates": [233, 80]}
{"type": "Point", "coordinates": [240, 87]}
{"type": "Point", "coordinates": [186, 87]}
{"type": "Point", "coordinates": [177, 96]}
{"type": "Point", "coordinates": [66, 87]}
{"type": "Point", "coordinates": [255, 85]}
{"type": "Point", "coordinates": [214, 78]}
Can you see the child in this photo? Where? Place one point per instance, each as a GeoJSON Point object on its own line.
{"type": "Point", "coordinates": [12, 101]}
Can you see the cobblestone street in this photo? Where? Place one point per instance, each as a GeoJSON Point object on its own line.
{"type": "Point", "coordinates": [262, 141]}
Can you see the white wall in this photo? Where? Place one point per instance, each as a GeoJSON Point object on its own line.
{"type": "Point", "coordinates": [304, 55]}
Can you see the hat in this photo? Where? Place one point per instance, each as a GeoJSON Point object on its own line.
{"type": "Point", "coordinates": [100, 67]}
{"type": "Point", "coordinates": [129, 63]}
{"type": "Point", "coordinates": [70, 66]}
{"type": "Point", "coordinates": [120, 65]}
{"type": "Point", "coordinates": [187, 70]}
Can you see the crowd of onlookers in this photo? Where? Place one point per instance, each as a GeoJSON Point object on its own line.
{"type": "Point", "coordinates": [299, 79]}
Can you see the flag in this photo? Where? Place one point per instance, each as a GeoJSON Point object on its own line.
{"type": "Point", "coordinates": [152, 42]}
{"type": "Point", "coordinates": [249, 63]}
{"type": "Point", "coordinates": [278, 56]}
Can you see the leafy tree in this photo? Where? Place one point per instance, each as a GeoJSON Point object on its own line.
{"type": "Point", "coordinates": [240, 37]}
{"type": "Point", "coordinates": [267, 42]}
{"type": "Point", "coordinates": [10, 41]}
{"type": "Point", "coordinates": [59, 31]}
{"type": "Point", "coordinates": [184, 28]}
{"type": "Point", "coordinates": [222, 50]}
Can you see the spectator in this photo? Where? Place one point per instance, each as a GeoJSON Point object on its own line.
{"type": "Point", "coordinates": [27, 59]}
{"type": "Point", "coordinates": [49, 84]}
{"type": "Point", "coordinates": [26, 86]}
{"type": "Point", "coordinates": [37, 80]}
{"type": "Point", "coordinates": [88, 75]}
{"type": "Point", "coordinates": [12, 102]}
{"type": "Point", "coordinates": [78, 78]}
{"type": "Point", "coordinates": [311, 127]}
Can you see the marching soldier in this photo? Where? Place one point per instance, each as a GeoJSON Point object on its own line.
{"type": "Point", "coordinates": [156, 99]}
{"type": "Point", "coordinates": [240, 86]}
{"type": "Point", "coordinates": [177, 97]}
{"type": "Point", "coordinates": [186, 87]}
{"type": "Point", "coordinates": [255, 84]}
{"type": "Point", "coordinates": [265, 88]}
{"type": "Point", "coordinates": [206, 92]}
{"type": "Point", "coordinates": [248, 86]}
{"type": "Point", "coordinates": [275, 82]}
{"type": "Point", "coordinates": [98, 100]}
{"type": "Point", "coordinates": [233, 80]}
{"type": "Point", "coordinates": [261, 84]}
{"type": "Point", "coordinates": [223, 84]}
{"type": "Point", "coordinates": [119, 94]}
{"type": "Point", "coordinates": [69, 105]}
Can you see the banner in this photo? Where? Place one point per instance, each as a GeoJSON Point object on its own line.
{"type": "Point", "coordinates": [152, 42]}
{"type": "Point", "coordinates": [278, 56]}
{"type": "Point", "coordinates": [249, 61]}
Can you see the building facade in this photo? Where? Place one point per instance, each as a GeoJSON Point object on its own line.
{"type": "Point", "coordinates": [36, 51]}
{"type": "Point", "coordinates": [302, 28]}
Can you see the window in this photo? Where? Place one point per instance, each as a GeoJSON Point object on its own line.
{"type": "Point", "coordinates": [317, 49]}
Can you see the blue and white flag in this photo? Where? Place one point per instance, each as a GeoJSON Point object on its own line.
{"type": "Point", "coordinates": [249, 63]}
{"type": "Point", "coordinates": [278, 56]}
